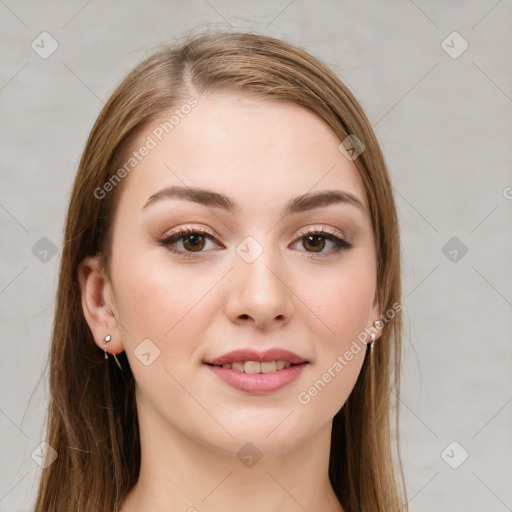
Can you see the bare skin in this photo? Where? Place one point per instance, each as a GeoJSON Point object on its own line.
{"type": "Point", "coordinates": [298, 295]}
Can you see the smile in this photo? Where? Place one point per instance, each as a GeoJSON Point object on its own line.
{"type": "Point", "coordinates": [257, 372]}
{"type": "Point", "coordinates": [257, 366]}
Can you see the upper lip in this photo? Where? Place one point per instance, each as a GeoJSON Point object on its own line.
{"type": "Point", "coordinates": [273, 354]}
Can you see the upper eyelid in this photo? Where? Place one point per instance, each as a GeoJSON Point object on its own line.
{"type": "Point", "coordinates": [303, 232]}
{"type": "Point", "coordinates": [331, 231]}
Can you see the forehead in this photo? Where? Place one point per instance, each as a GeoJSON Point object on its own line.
{"type": "Point", "coordinates": [248, 147]}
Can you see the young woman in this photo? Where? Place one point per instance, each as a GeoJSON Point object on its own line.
{"type": "Point", "coordinates": [232, 241]}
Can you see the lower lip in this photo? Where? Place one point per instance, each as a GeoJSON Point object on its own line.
{"type": "Point", "coordinates": [258, 383]}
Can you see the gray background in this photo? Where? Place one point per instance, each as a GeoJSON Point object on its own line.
{"type": "Point", "coordinates": [445, 125]}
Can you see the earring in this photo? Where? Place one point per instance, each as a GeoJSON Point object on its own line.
{"type": "Point", "coordinates": [106, 339]}
{"type": "Point", "coordinates": [378, 325]}
{"type": "Point", "coordinates": [373, 335]}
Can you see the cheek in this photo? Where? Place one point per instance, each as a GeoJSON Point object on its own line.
{"type": "Point", "coordinates": [161, 301]}
{"type": "Point", "coordinates": [338, 312]}
{"type": "Point", "coordinates": [168, 305]}
{"type": "Point", "coordinates": [341, 302]}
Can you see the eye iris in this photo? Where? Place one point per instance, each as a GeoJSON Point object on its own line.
{"type": "Point", "coordinates": [317, 247]}
{"type": "Point", "coordinates": [196, 240]}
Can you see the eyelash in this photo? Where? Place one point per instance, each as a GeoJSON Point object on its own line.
{"type": "Point", "coordinates": [170, 240]}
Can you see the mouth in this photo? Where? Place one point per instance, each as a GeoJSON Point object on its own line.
{"type": "Point", "coordinates": [256, 366]}
{"type": "Point", "coordinates": [258, 372]}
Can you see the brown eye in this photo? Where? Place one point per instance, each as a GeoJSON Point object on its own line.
{"type": "Point", "coordinates": [191, 240]}
{"type": "Point", "coordinates": [194, 242]}
{"type": "Point", "coordinates": [315, 242]}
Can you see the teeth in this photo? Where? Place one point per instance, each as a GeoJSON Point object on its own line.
{"type": "Point", "coordinates": [239, 366]}
{"type": "Point", "coordinates": [257, 367]}
{"type": "Point", "coordinates": [252, 367]}
{"type": "Point", "coordinates": [268, 367]}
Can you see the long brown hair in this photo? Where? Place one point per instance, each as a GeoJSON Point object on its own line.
{"type": "Point", "coordinates": [92, 418]}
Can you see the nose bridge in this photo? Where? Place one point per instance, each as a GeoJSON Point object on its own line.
{"type": "Point", "coordinates": [259, 287]}
{"type": "Point", "coordinates": [259, 262]}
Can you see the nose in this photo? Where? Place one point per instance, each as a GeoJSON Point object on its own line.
{"type": "Point", "coordinates": [260, 292]}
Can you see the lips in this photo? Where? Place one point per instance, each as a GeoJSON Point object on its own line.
{"type": "Point", "coordinates": [243, 355]}
{"type": "Point", "coordinates": [258, 372]}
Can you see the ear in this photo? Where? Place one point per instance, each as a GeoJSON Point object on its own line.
{"type": "Point", "coordinates": [98, 304]}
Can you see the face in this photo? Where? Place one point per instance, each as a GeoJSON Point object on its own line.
{"type": "Point", "coordinates": [244, 267]}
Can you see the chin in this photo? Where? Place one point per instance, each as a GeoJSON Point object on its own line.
{"type": "Point", "coordinates": [272, 434]}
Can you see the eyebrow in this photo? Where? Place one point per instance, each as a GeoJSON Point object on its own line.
{"type": "Point", "coordinates": [213, 199]}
